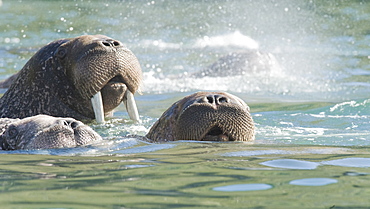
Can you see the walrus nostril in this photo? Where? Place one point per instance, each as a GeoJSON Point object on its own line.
{"type": "Point", "coordinates": [106, 43]}
{"type": "Point", "coordinates": [116, 43]}
{"type": "Point", "coordinates": [65, 123]}
{"type": "Point", "coordinates": [216, 99]}
{"type": "Point", "coordinates": [210, 99]}
{"type": "Point", "coordinates": [70, 123]}
{"type": "Point", "coordinates": [73, 125]}
{"type": "Point", "coordinates": [221, 99]}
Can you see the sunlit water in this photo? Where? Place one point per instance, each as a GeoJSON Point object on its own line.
{"type": "Point", "coordinates": [312, 116]}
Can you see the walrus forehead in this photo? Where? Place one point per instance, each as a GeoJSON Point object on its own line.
{"type": "Point", "coordinates": [85, 42]}
{"type": "Point", "coordinates": [84, 46]}
{"type": "Point", "coordinates": [36, 123]}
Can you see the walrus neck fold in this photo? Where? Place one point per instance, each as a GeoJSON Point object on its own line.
{"type": "Point", "coordinates": [42, 88]}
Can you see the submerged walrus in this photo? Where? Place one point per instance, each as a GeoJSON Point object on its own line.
{"type": "Point", "coordinates": [63, 76]}
{"type": "Point", "coordinates": [44, 132]}
{"type": "Point", "coordinates": [241, 63]}
{"type": "Point", "coordinates": [205, 116]}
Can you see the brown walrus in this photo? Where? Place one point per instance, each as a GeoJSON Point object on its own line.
{"type": "Point", "coordinates": [205, 116]}
{"type": "Point", "coordinates": [63, 76]}
{"type": "Point", "coordinates": [44, 132]}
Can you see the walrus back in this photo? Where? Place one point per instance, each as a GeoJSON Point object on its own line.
{"type": "Point", "coordinates": [21, 91]}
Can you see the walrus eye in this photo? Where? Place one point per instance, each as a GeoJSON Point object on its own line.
{"type": "Point", "coordinates": [61, 53]}
{"type": "Point", "coordinates": [12, 132]}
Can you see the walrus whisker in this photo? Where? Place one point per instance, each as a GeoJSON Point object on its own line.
{"type": "Point", "coordinates": [97, 103]}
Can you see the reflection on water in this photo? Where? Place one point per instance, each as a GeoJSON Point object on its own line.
{"type": "Point", "coordinates": [148, 148]}
{"type": "Point", "coordinates": [242, 187]}
{"type": "Point", "coordinates": [289, 152]}
{"type": "Point", "coordinates": [313, 182]}
{"type": "Point", "coordinates": [186, 175]}
{"type": "Point", "coordinates": [291, 164]}
{"type": "Point", "coordinates": [319, 99]}
{"type": "Point", "coordinates": [349, 162]}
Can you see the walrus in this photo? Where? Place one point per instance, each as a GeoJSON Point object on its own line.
{"type": "Point", "coordinates": [63, 77]}
{"type": "Point", "coordinates": [240, 63]}
{"type": "Point", "coordinates": [205, 116]}
{"type": "Point", "coordinates": [44, 132]}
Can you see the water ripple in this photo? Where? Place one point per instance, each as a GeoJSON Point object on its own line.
{"type": "Point", "coordinates": [243, 187]}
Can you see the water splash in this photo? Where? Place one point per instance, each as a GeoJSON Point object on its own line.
{"type": "Point", "coordinates": [235, 39]}
{"type": "Point", "coordinates": [345, 123]}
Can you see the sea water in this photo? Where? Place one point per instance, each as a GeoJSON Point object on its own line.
{"type": "Point", "coordinates": [312, 115]}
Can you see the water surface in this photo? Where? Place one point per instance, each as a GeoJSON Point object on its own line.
{"type": "Point", "coordinates": [312, 117]}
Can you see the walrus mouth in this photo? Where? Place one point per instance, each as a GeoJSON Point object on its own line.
{"type": "Point", "coordinates": [217, 134]}
{"type": "Point", "coordinates": [129, 101]}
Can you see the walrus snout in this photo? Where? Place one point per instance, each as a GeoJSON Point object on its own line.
{"type": "Point", "coordinates": [79, 133]}
{"type": "Point", "coordinates": [205, 116]}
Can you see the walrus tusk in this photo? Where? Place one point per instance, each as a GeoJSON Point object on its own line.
{"type": "Point", "coordinates": [97, 103]}
{"type": "Point", "coordinates": [131, 106]}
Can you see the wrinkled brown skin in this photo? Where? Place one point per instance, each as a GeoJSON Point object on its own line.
{"type": "Point", "coordinates": [44, 132]}
{"type": "Point", "coordinates": [205, 116]}
{"type": "Point", "coordinates": [240, 63]}
{"type": "Point", "coordinates": [60, 79]}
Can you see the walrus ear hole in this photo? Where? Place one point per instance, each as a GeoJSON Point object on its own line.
{"type": "Point", "coordinates": [61, 53]}
{"type": "Point", "coordinates": [12, 132]}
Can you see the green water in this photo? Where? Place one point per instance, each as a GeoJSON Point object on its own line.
{"type": "Point", "coordinates": [312, 118]}
{"type": "Point", "coordinates": [183, 177]}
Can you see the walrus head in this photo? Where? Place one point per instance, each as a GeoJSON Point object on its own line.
{"type": "Point", "coordinates": [205, 116]}
{"type": "Point", "coordinates": [44, 132]}
{"type": "Point", "coordinates": [63, 77]}
{"type": "Point", "coordinates": [101, 64]}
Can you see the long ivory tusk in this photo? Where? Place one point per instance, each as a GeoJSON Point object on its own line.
{"type": "Point", "coordinates": [131, 106]}
{"type": "Point", "coordinates": [97, 103]}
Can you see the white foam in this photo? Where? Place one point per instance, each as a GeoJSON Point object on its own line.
{"type": "Point", "coordinates": [343, 105]}
{"type": "Point", "coordinates": [235, 39]}
{"type": "Point", "coordinates": [265, 84]}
